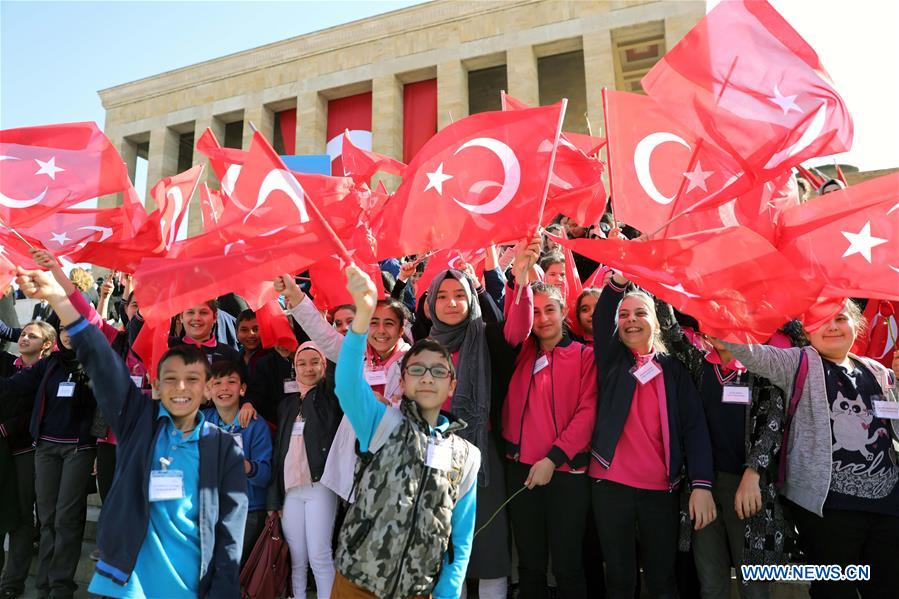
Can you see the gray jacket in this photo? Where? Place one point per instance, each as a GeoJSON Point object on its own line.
{"type": "Point", "coordinates": [810, 450]}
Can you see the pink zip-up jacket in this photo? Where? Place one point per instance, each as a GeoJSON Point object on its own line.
{"type": "Point", "coordinates": [550, 413]}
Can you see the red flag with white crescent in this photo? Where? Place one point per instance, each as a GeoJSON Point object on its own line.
{"type": "Point", "coordinates": [478, 181]}
{"type": "Point", "coordinates": [746, 80]}
{"type": "Point", "coordinates": [49, 168]}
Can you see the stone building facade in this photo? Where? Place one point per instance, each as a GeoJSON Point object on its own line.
{"type": "Point", "coordinates": [537, 50]}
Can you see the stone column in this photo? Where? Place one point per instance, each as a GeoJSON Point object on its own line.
{"type": "Point", "coordinates": [452, 92]}
{"type": "Point", "coordinates": [264, 119]}
{"type": "Point", "coordinates": [387, 122]}
{"type": "Point", "coordinates": [521, 69]}
{"type": "Point", "coordinates": [312, 123]}
{"type": "Point", "coordinates": [162, 160]}
{"type": "Point", "coordinates": [599, 71]}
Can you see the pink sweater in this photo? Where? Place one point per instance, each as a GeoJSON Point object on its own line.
{"type": "Point", "coordinates": [641, 456]}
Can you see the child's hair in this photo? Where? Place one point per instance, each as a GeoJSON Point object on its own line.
{"type": "Point", "coordinates": [657, 342]}
{"type": "Point", "coordinates": [213, 305]}
{"type": "Point", "coordinates": [189, 355]}
{"type": "Point", "coordinates": [350, 307]}
{"type": "Point", "coordinates": [245, 316]}
{"type": "Point", "coordinates": [399, 309]}
{"type": "Point", "coordinates": [429, 344]}
{"type": "Point", "coordinates": [550, 259]}
{"type": "Point", "coordinates": [81, 279]}
{"type": "Point", "coordinates": [47, 332]}
{"type": "Point", "coordinates": [855, 312]}
{"type": "Point", "coordinates": [550, 291]}
{"type": "Point", "coordinates": [594, 291]}
{"type": "Point", "coordinates": [224, 368]}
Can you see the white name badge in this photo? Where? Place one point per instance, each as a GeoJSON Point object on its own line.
{"type": "Point", "coordinates": [647, 372]}
{"type": "Point", "coordinates": [886, 409]}
{"type": "Point", "coordinates": [376, 377]}
{"type": "Point", "coordinates": [66, 389]}
{"type": "Point", "coordinates": [738, 394]}
{"type": "Point", "coordinates": [541, 363]}
{"type": "Point", "coordinates": [298, 427]}
{"type": "Point", "coordinates": [439, 456]}
{"type": "Point", "coordinates": [238, 440]}
{"type": "Point", "coordinates": [291, 387]}
{"type": "Point", "coordinates": [137, 380]}
{"type": "Point", "coordinates": [166, 485]}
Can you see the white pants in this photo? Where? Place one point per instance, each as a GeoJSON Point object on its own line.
{"type": "Point", "coordinates": [489, 588]}
{"type": "Point", "coordinates": [308, 523]}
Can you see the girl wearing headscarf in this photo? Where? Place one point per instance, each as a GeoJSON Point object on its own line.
{"type": "Point", "coordinates": [479, 351]}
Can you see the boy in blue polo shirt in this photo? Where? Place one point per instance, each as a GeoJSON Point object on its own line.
{"type": "Point", "coordinates": [226, 387]}
{"type": "Point", "coordinates": [173, 522]}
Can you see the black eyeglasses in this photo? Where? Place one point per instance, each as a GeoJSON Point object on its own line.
{"type": "Point", "coordinates": [438, 372]}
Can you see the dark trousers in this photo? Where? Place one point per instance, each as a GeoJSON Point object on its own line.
{"type": "Point", "coordinates": [254, 526]}
{"type": "Point", "coordinates": [105, 468]}
{"type": "Point", "coordinates": [549, 520]}
{"type": "Point", "coordinates": [21, 538]}
{"type": "Point", "coordinates": [845, 537]}
{"type": "Point", "coordinates": [719, 546]}
{"type": "Point", "coordinates": [624, 515]}
{"type": "Point", "coordinates": [61, 475]}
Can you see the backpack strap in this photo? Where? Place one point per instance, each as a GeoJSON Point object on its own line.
{"type": "Point", "coordinates": [798, 387]}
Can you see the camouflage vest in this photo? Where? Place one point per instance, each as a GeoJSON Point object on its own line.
{"type": "Point", "coordinates": [394, 537]}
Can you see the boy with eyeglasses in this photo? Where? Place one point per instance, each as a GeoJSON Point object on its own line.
{"type": "Point", "coordinates": [409, 532]}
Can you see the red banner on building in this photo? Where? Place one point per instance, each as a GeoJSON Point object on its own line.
{"type": "Point", "coordinates": [419, 116]}
{"type": "Point", "coordinates": [352, 113]}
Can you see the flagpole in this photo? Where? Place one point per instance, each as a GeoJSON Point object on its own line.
{"type": "Point", "coordinates": [605, 119]}
{"type": "Point", "coordinates": [341, 249]}
{"type": "Point", "coordinates": [16, 233]}
{"type": "Point", "coordinates": [549, 176]}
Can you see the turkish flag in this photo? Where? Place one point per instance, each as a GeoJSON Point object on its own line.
{"type": "Point", "coordinates": [267, 197]}
{"type": "Point", "coordinates": [848, 240]}
{"type": "Point", "coordinates": [657, 168]}
{"type": "Point", "coordinates": [13, 252]}
{"type": "Point", "coordinates": [156, 236]}
{"type": "Point", "coordinates": [576, 188]}
{"type": "Point", "coordinates": [211, 205]}
{"type": "Point", "coordinates": [446, 259]}
{"type": "Point", "coordinates": [191, 275]}
{"type": "Point", "coordinates": [172, 195]}
{"type": "Point", "coordinates": [361, 164]}
{"type": "Point", "coordinates": [274, 328]}
{"type": "Point", "coordinates": [225, 162]}
{"type": "Point", "coordinates": [151, 343]}
{"type": "Point", "coordinates": [478, 181]}
{"type": "Point", "coordinates": [878, 341]}
{"type": "Point", "coordinates": [759, 209]}
{"type": "Point", "coordinates": [733, 281]}
{"type": "Point", "coordinates": [749, 83]}
{"type": "Point", "coordinates": [353, 114]}
{"type": "Point", "coordinates": [66, 232]}
{"type": "Point", "coordinates": [45, 169]}
{"type": "Point", "coordinates": [328, 279]}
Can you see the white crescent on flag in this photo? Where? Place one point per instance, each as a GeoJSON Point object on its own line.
{"type": "Point", "coordinates": [9, 202]}
{"type": "Point", "coordinates": [511, 175]}
{"type": "Point", "coordinates": [642, 155]}
{"type": "Point", "coordinates": [279, 179]}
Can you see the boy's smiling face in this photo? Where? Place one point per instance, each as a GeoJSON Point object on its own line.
{"type": "Point", "coordinates": [181, 387]}
{"type": "Point", "coordinates": [226, 391]}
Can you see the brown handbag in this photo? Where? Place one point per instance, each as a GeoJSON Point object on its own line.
{"type": "Point", "coordinates": [266, 573]}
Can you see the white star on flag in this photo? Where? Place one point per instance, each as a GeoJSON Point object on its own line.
{"type": "Point", "coordinates": [862, 242]}
{"type": "Point", "coordinates": [437, 179]}
{"type": "Point", "coordinates": [786, 103]}
{"type": "Point", "coordinates": [48, 168]}
{"type": "Point", "coordinates": [697, 177]}
{"type": "Point", "coordinates": [679, 288]}
{"type": "Point", "coordinates": [343, 263]}
{"type": "Point", "coordinates": [60, 238]}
